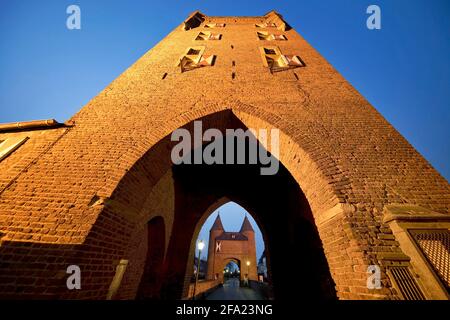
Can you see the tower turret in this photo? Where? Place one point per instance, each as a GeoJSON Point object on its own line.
{"type": "Point", "coordinates": [246, 226]}
{"type": "Point", "coordinates": [215, 231]}
{"type": "Point", "coordinates": [249, 232]}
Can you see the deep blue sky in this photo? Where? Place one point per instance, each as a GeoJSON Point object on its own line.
{"type": "Point", "coordinates": [48, 71]}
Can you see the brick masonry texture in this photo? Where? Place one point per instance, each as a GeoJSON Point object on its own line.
{"type": "Point", "coordinates": [83, 195]}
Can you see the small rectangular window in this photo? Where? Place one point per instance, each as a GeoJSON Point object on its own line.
{"type": "Point", "coordinates": [215, 25]}
{"type": "Point", "coordinates": [266, 25]}
{"type": "Point", "coordinates": [193, 52]}
{"type": "Point", "coordinates": [206, 35]}
{"type": "Point", "coordinates": [193, 21]}
{"type": "Point", "coordinates": [275, 61]}
{"type": "Point", "coordinates": [262, 35]}
{"type": "Point", "coordinates": [281, 37]}
{"type": "Point", "coordinates": [292, 60]}
{"type": "Point", "coordinates": [195, 58]}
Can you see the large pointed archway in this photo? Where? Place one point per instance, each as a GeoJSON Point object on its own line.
{"type": "Point", "coordinates": [295, 252]}
{"type": "Point", "coordinates": [186, 194]}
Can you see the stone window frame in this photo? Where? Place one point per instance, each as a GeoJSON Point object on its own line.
{"type": "Point", "coordinates": [266, 25]}
{"type": "Point", "coordinates": [193, 21]}
{"type": "Point", "coordinates": [265, 55]}
{"type": "Point", "coordinates": [269, 35]}
{"type": "Point", "coordinates": [190, 61]}
{"type": "Point", "coordinates": [195, 58]}
{"type": "Point", "coordinates": [281, 62]}
{"type": "Point", "coordinates": [208, 36]}
{"type": "Point", "coordinates": [11, 144]}
{"type": "Point", "coordinates": [402, 219]}
{"type": "Point", "coordinates": [213, 25]}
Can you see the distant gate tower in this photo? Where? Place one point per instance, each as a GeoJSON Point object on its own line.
{"type": "Point", "coordinates": [238, 247]}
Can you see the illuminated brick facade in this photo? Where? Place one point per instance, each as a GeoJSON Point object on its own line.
{"type": "Point", "coordinates": [101, 192]}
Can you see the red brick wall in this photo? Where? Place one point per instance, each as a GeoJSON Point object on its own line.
{"type": "Point", "coordinates": [202, 286]}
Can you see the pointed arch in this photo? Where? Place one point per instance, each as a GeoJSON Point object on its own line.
{"type": "Point", "coordinates": [148, 167]}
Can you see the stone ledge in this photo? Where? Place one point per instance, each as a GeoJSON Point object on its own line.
{"type": "Point", "coordinates": [337, 210]}
{"type": "Point", "coordinates": [406, 212]}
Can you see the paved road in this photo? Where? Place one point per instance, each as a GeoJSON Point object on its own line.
{"type": "Point", "coordinates": [232, 291]}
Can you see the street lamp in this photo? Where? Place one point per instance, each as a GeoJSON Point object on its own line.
{"type": "Point", "coordinates": [200, 246]}
{"type": "Point", "coordinates": [248, 271]}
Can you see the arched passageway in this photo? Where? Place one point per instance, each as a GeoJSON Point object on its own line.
{"type": "Point", "coordinates": [232, 266]}
{"type": "Point", "coordinates": [295, 254]}
{"type": "Point", "coordinates": [185, 195]}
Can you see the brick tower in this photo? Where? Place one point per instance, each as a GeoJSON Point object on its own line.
{"type": "Point", "coordinates": [216, 230]}
{"type": "Point", "coordinates": [238, 247]}
{"type": "Point", "coordinates": [102, 193]}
